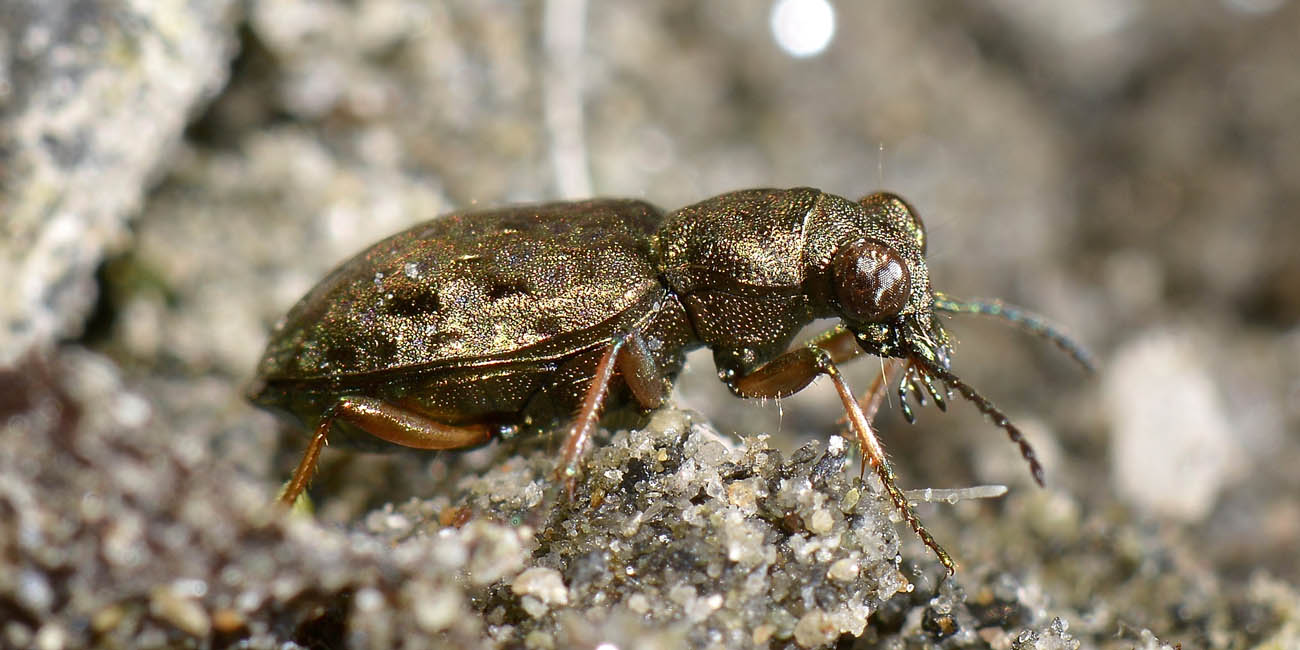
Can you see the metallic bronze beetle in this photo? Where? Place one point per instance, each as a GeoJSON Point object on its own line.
{"type": "Point", "coordinates": [489, 323]}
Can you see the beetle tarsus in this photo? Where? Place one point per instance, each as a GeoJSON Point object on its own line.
{"type": "Point", "coordinates": [874, 454]}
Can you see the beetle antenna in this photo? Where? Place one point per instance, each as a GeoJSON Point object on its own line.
{"type": "Point", "coordinates": [987, 408]}
{"type": "Point", "coordinates": [1022, 318]}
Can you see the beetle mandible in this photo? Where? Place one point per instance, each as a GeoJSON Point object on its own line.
{"type": "Point", "coordinates": [483, 324]}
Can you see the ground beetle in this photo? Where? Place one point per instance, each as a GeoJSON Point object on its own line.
{"type": "Point", "coordinates": [487, 323]}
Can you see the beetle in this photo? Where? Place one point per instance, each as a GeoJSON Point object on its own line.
{"type": "Point", "coordinates": [484, 324]}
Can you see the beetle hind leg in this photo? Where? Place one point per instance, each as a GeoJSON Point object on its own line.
{"type": "Point", "coordinates": [385, 421]}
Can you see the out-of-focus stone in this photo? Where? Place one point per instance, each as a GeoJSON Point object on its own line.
{"type": "Point", "coordinates": [93, 97]}
{"type": "Point", "coordinates": [1173, 449]}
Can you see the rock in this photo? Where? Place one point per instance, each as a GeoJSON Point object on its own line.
{"type": "Point", "coordinates": [95, 96]}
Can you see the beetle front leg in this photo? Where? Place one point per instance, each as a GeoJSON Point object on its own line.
{"type": "Point", "coordinates": [388, 422]}
{"type": "Point", "coordinates": [791, 372]}
{"type": "Point", "coordinates": [843, 346]}
{"type": "Point", "coordinates": [875, 395]}
{"type": "Point", "coordinates": [840, 342]}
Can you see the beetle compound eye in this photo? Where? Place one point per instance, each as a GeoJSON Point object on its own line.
{"type": "Point", "coordinates": [871, 281]}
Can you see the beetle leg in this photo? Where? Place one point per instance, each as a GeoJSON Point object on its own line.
{"type": "Point", "coordinates": [636, 364]}
{"type": "Point", "coordinates": [588, 414]}
{"type": "Point", "coordinates": [306, 466]}
{"type": "Point", "coordinates": [840, 342]}
{"type": "Point", "coordinates": [843, 346]}
{"type": "Point", "coordinates": [785, 375]}
{"type": "Point", "coordinates": [791, 372]}
{"type": "Point", "coordinates": [875, 395]}
{"type": "Point", "coordinates": [385, 421]}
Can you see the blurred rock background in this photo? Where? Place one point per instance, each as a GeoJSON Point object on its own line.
{"type": "Point", "coordinates": [174, 175]}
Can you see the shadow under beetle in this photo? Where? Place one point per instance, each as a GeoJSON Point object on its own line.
{"type": "Point", "coordinates": [489, 323]}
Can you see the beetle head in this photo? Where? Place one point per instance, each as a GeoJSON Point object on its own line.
{"type": "Point", "coordinates": [881, 285]}
{"type": "Point", "coordinates": [881, 290]}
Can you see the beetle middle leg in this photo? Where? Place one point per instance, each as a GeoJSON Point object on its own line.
{"type": "Point", "coordinates": [635, 363]}
{"type": "Point", "coordinates": [792, 371]}
{"type": "Point", "coordinates": [388, 422]}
